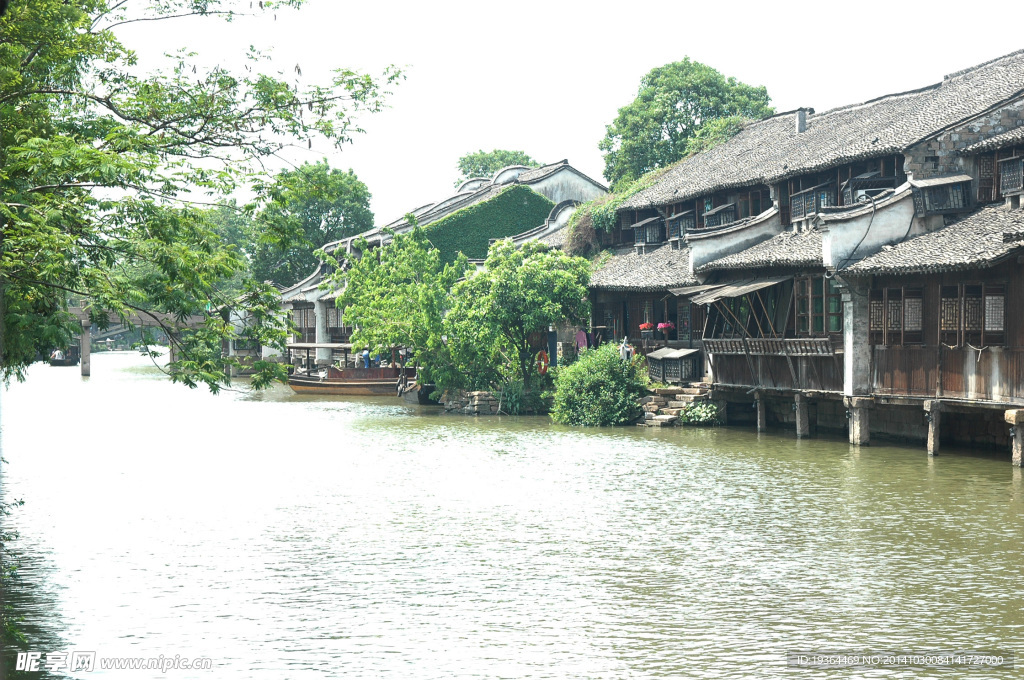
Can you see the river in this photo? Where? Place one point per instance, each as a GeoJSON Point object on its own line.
{"type": "Point", "coordinates": [299, 537]}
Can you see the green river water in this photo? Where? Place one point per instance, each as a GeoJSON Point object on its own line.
{"type": "Point", "coordinates": [296, 537]}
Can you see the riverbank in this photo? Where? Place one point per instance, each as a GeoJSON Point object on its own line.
{"type": "Point", "coordinates": [284, 536]}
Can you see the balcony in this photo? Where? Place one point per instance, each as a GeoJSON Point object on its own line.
{"type": "Point", "coordinates": [778, 363]}
{"type": "Point", "coordinates": [810, 201]}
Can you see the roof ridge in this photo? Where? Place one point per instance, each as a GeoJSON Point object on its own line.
{"type": "Point", "coordinates": [964, 71]}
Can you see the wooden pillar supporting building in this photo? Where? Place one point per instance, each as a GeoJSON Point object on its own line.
{"type": "Point", "coordinates": [86, 354]}
{"type": "Point", "coordinates": [1015, 417]}
{"type": "Point", "coordinates": [860, 419]}
{"type": "Point", "coordinates": [933, 409]}
{"type": "Point", "coordinates": [762, 420]}
{"type": "Point", "coordinates": [803, 423]}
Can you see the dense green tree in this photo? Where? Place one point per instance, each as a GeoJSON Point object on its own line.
{"type": "Point", "coordinates": [673, 103]}
{"type": "Point", "coordinates": [519, 291]}
{"type": "Point", "coordinates": [397, 295]}
{"type": "Point", "coordinates": [486, 163]}
{"type": "Point", "coordinates": [304, 209]}
{"type": "Point", "coordinates": [101, 169]}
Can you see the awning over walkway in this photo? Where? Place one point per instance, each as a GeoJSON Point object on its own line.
{"type": "Point", "coordinates": [737, 289]}
{"type": "Point", "coordinates": [670, 353]}
{"type": "Point", "coordinates": [690, 290]}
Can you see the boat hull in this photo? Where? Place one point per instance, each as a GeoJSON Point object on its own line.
{"type": "Point", "coordinates": [365, 388]}
{"type": "Point", "coordinates": [350, 381]}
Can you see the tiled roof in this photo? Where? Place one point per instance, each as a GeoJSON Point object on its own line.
{"type": "Point", "coordinates": [1008, 138]}
{"type": "Point", "coordinates": [787, 249]}
{"type": "Point", "coordinates": [979, 240]}
{"type": "Point", "coordinates": [655, 270]}
{"type": "Point", "coordinates": [540, 173]}
{"type": "Point", "coordinates": [771, 150]}
{"type": "Point", "coordinates": [555, 239]}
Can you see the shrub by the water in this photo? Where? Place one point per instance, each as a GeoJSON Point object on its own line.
{"type": "Point", "coordinates": [599, 388]}
{"type": "Point", "coordinates": [699, 413]}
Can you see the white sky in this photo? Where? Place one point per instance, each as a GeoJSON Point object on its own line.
{"type": "Point", "coordinates": [546, 77]}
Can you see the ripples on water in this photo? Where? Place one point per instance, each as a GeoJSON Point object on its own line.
{"type": "Point", "coordinates": [293, 537]}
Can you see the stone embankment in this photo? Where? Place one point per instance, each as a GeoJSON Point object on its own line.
{"type": "Point", "coordinates": [663, 406]}
{"type": "Point", "coordinates": [478, 403]}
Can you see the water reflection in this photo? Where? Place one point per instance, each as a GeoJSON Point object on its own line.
{"type": "Point", "coordinates": [287, 536]}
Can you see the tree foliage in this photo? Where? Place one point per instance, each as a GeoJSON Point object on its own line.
{"type": "Point", "coordinates": [101, 170]}
{"type": "Point", "coordinates": [486, 163]}
{"type": "Point", "coordinates": [305, 209]}
{"type": "Point", "coordinates": [519, 292]}
{"type": "Point", "coordinates": [599, 388]}
{"type": "Point", "coordinates": [396, 296]}
{"type": "Point", "coordinates": [674, 101]}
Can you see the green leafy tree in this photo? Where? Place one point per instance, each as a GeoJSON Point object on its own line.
{"type": "Point", "coordinates": [397, 295]}
{"type": "Point", "coordinates": [673, 103]}
{"type": "Point", "coordinates": [305, 209]}
{"type": "Point", "coordinates": [599, 388]}
{"type": "Point", "coordinates": [519, 292]}
{"type": "Point", "coordinates": [486, 163]}
{"type": "Point", "coordinates": [101, 171]}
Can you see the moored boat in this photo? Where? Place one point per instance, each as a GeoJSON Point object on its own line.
{"type": "Point", "coordinates": [374, 380]}
{"type": "Point", "coordinates": [350, 381]}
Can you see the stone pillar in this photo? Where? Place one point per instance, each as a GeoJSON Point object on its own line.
{"type": "Point", "coordinates": [723, 410]}
{"type": "Point", "coordinates": [1015, 417]}
{"type": "Point", "coordinates": [86, 340]}
{"type": "Point", "coordinates": [232, 352]}
{"type": "Point", "coordinates": [934, 410]}
{"type": "Point", "coordinates": [860, 421]}
{"type": "Point", "coordinates": [803, 424]}
{"type": "Point", "coordinates": [856, 350]}
{"type": "Point", "coordinates": [762, 421]}
{"type": "Point", "coordinates": [323, 354]}
{"type": "Point", "coordinates": [172, 347]}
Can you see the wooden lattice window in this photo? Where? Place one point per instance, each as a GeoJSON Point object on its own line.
{"type": "Point", "coordinates": [986, 178]}
{"type": "Point", "coordinates": [819, 306]}
{"type": "Point", "coordinates": [1011, 176]}
{"type": "Point", "coordinates": [683, 321]}
{"type": "Point", "coordinates": [895, 316]}
{"type": "Point", "coordinates": [972, 314]}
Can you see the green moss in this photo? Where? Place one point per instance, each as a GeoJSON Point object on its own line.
{"type": "Point", "coordinates": [469, 230]}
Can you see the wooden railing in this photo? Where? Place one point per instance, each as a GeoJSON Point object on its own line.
{"type": "Point", "coordinates": [794, 347]}
{"type": "Point", "coordinates": [990, 374]}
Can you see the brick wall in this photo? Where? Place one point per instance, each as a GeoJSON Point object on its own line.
{"type": "Point", "coordinates": [940, 156]}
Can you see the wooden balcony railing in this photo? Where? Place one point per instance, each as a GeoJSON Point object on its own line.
{"type": "Point", "coordinates": [794, 347]}
{"type": "Point", "coordinates": [782, 363]}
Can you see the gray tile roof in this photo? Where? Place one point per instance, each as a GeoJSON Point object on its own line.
{"type": "Point", "coordinates": [556, 239]}
{"type": "Point", "coordinates": [979, 240]}
{"type": "Point", "coordinates": [1008, 138]}
{"type": "Point", "coordinates": [771, 150]}
{"type": "Point", "coordinates": [787, 249]}
{"type": "Point", "coordinates": [658, 270]}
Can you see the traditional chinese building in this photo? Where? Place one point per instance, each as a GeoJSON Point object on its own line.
{"type": "Point", "coordinates": [784, 228]}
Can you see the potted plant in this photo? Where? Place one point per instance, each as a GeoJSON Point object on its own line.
{"type": "Point", "coordinates": [647, 330]}
{"type": "Point", "coordinates": [667, 328]}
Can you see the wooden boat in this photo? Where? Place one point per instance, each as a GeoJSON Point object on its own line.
{"type": "Point", "coordinates": [70, 357]}
{"type": "Point", "coordinates": [310, 379]}
{"type": "Point", "coordinates": [351, 381]}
